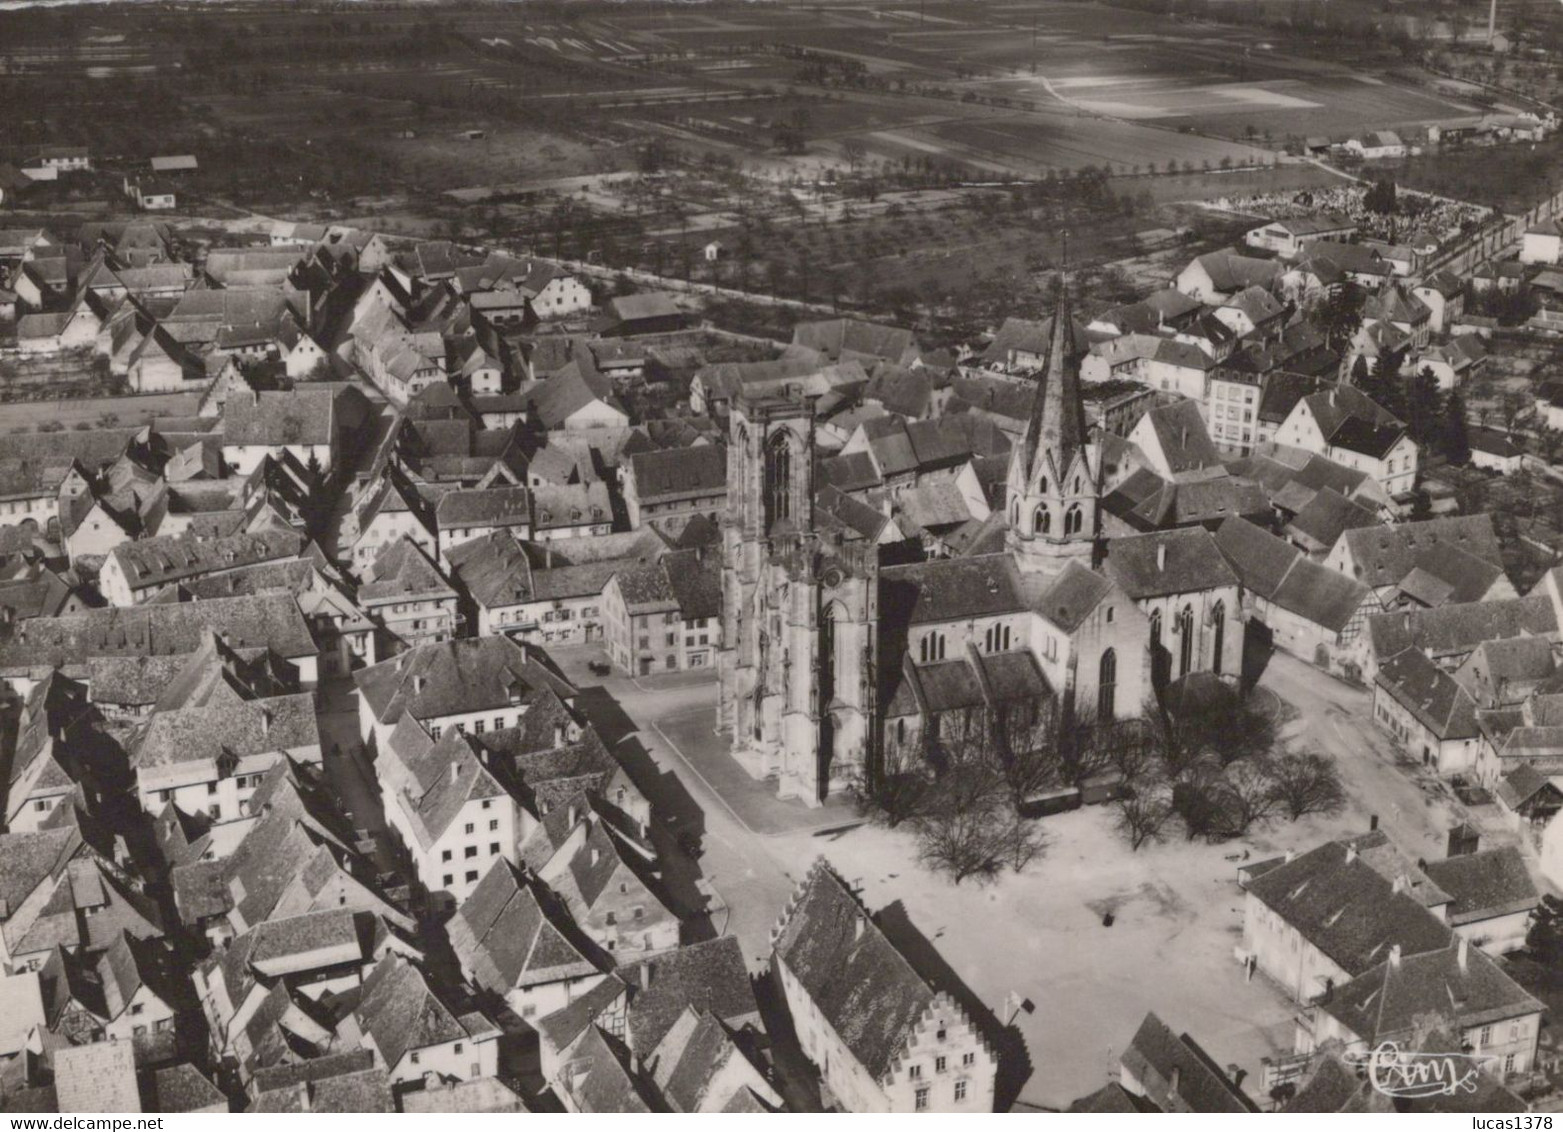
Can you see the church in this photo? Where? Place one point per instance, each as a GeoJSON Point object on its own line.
{"type": "Point", "coordinates": [836, 665]}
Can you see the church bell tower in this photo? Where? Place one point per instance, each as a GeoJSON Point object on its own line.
{"type": "Point", "coordinates": [1054, 486]}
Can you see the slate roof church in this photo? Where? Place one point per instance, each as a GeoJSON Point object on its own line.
{"type": "Point", "coordinates": [836, 665]}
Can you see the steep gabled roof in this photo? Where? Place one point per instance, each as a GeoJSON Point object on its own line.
{"type": "Point", "coordinates": [507, 936]}
{"type": "Point", "coordinates": [863, 987]}
{"type": "Point", "coordinates": [1346, 908]}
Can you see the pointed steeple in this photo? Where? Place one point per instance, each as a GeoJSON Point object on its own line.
{"type": "Point", "coordinates": [1057, 421]}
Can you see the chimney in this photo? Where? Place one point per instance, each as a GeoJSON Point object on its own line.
{"type": "Point", "coordinates": [1402, 883]}
{"type": "Point", "coordinates": [417, 685]}
{"type": "Point", "coordinates": [1394, 956]}
{"type": "Point", "coordinates": [1291, 855]}
{"type": "Point", "coordinates": [558, 735]}
{"type": "Point", "coordinates": [1174, 1081]}
{"type": "Point", "coordinates": [1161, 556]}
{"type": "Point", "coordinates": [1372, 823]}
{"type": "Point", "coordinates": [1351, 851]}
{"type": "Point", "coordinates": [265, 716]}
{"type": "Point", "coordinates": [1332, 398]}
{"type": "Point", "coordinates": [596, 856]}
{"type": "Point", "coordinates": [645, 976]}
{"type": "Point", "coordinates": [455, 771]}
{"type": "Point", "coordinates": [1464, 954]}
{"type": "Point", "coordinates": [859, 926]}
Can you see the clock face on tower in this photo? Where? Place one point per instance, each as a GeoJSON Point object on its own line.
{"type": "Point", "coordinates": [831, 578]}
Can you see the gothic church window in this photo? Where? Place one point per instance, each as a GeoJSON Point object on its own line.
{"type": "Point", "coordinates": [1106, 685]}
{"type": "Point", "coordinates": [1074, 519]}
{"type": "Point", "coordinates": [778, 479]}
{"type": "Point", "coordinates": [1043, 522]}
{"type": "Point", "coordinates": [1186, 640]}
{"type": "Point", "coordinates": [931, 648]}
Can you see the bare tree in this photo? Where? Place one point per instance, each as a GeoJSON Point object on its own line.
{"type": "Point", "coordinates": [957, 834]}
{"type": "Point", "coordinates": [1249, 795]}
{"type": "Point", "coordinates": [970, 829]}
{"type": "Point", "coordinates": [1143, 812]}
{"type": "Point", "coordinates": [1305, 782]}
{"type": "Point", "coordinates": [1214, 720]}
{"type": "Point", "coordinates": [894, 794]}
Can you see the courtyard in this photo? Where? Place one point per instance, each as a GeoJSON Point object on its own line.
{"type": "Point", "coordinates": [1036, 950]}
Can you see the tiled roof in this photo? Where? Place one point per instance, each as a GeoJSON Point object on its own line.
{"type": "Point", "coordinates": [1386, 1002]}
{"type": "Point", "coordinates": [184, 1088]}
{"type": "Point", "coordinates": [1456, 629]}
{"type": "Point", "coordinates": [709, 977]}
{"type": "Point", "coordinates": [1493, 882]}
{"type": "Point", "coordinates": [401, 571]}
{"type": "Point", "coordinates": [96, 1078]}
{"type": "Point", "coordinates": [488, 507]}
{"type": "Point", "coordinates": [1156, 1052]}
{"type": "Point", "coordinates": [1344, 907]}
{"type": "Point", "coordinates": [508, 937]}
{"type": "Point", "coordinates": [494, 570]}
{"type": "Point", "coordinates": [845, 337]}
{"type": "Point", "coordinates": [1229, 271]}
{"type": "Point", "coordinates": [1430, 694]}
{"type": "Point", "coordinates": [403, 1012]}
{"type": "Point", "coordinates": [1327, 515]}
{"type": "Point", "coordinates": [1386, 554]}
{"type": "Point", "coordinates": [452, 677]}
{"type": "Point", "coordinates": [231, 728]}
{"type": "Point", "coordinates": [863, 987]}
{"type": "Point", "coordinates": [1168, 562]}
{"type": "Point", "coordinates": [270, 621]}
{"type": "Point", "coordinates": [1067, 599]}
{"type": "Point", "coordinates": [950, 589]}
{"type": "Point", "coordinates": [678, 473]}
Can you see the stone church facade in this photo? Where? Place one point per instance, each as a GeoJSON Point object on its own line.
{"type": "Point", "coordinates": [835, 666]}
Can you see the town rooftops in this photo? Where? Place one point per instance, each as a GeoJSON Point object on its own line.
{"type": "Point", "coordinates": [97, 1077]}
{"type": "Point", "coordinates": [403, 570]}
{"type": "Point", "coordinates": [1383, 555]}
{"type": "Point", "coordinates": [149, 563]}
{"type": "Point", "coordinates": [1453, 630]}
{"type": "Point", "coordinates": [507, 935]}
{"type": "Point", "coordinates": [207, 733]}
{"type": "Point", "coordinates": [680, 473]}
{"type": "Point", "coordinates": [1430, 694]}
{"type": "Point", "coordinates": [710, 976]}
{"type": "Point", "coordinates": [840, 338]}
{"type": "Point", "coordinates": [486, 507]}
{"type": "Point", "coordinates": [402, 1012]}
{"type": "Point", "coordinates": [1168, 562]}
{"type": "Point", "coordinates": [1493, 882]}
{"type": "Point", "coordinates": [455, 677]}
{"type": "Point", "coordinates": [644, 306]}
{"type": "Point", "coordinates": [1231, 272]}
{"type": "Point", "coordinates": [1194, 1082]}
{"type": "Point", "coordinates": [265, 621]}
{"type": "Point", "coordinates": [1346, 908]}
{"type": "Point", "coordinates": [863, 987]}
{"type": "Point", "coordinates": [302, 416]}
{"type": "Point", "coordinates": [1386, 1002]}
{"type": "Point", "coordinates": [950, 589]}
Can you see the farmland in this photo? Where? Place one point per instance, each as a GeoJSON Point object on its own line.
{"type": "Point", "coordinates": [831, 151]}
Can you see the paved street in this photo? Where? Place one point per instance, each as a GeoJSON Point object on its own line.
{"type": "Point", "coordinates": [752, 881]}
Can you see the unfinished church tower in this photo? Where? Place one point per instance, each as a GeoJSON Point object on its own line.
{"type": "Point", "coordinates": [1054, 485]}
{"type": "Point", "coordinates": [799, 610]}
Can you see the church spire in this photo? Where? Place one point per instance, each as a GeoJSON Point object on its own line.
{"type": "Point", "coordinates": [1057, 424]}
